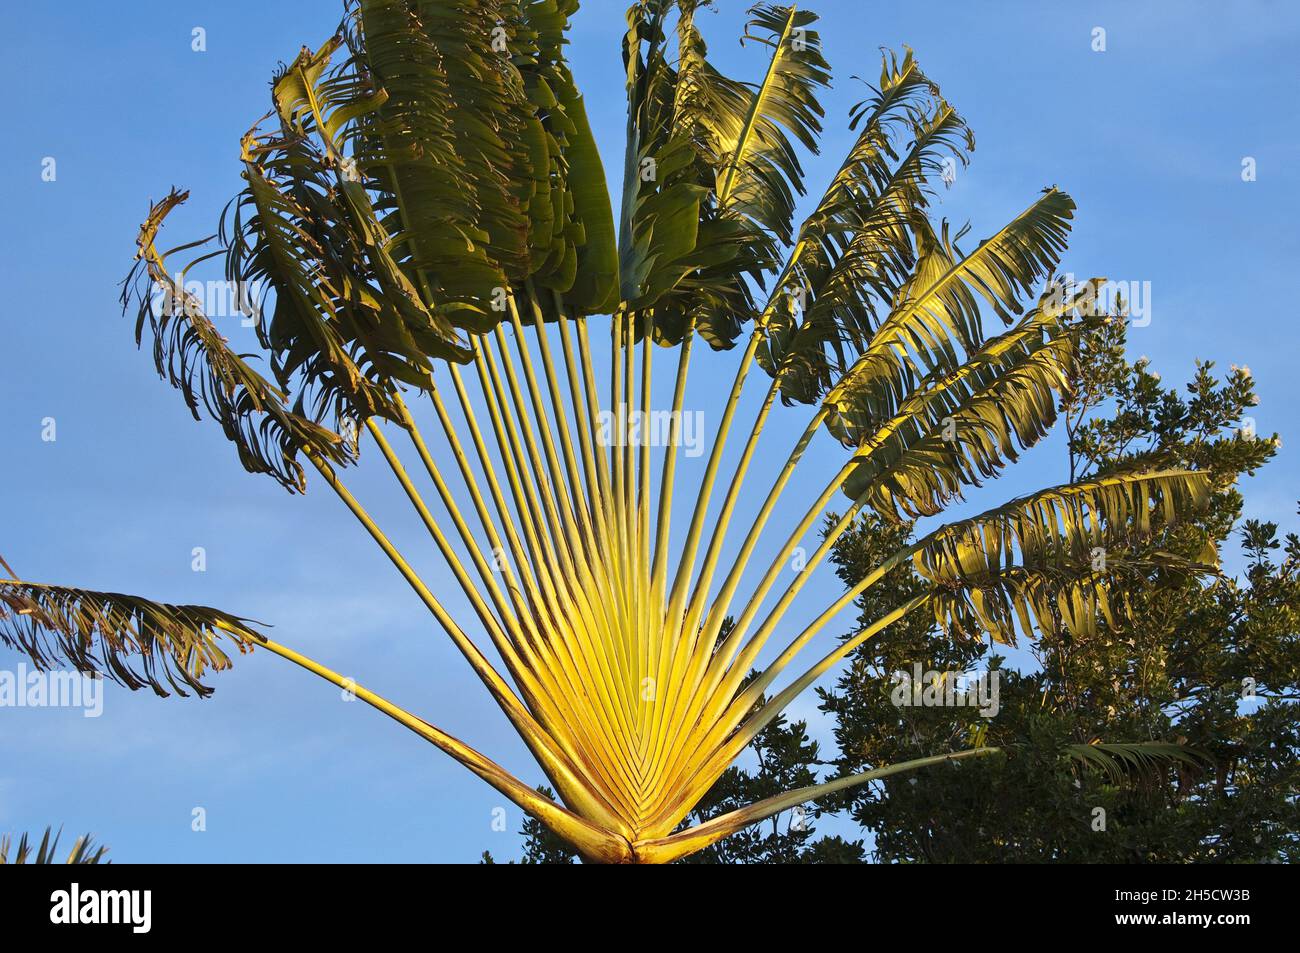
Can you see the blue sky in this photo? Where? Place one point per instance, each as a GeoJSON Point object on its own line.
{"type": "Point", "coordinates": [1148, 136]}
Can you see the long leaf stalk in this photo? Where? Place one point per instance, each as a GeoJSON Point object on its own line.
{"type": "Point", "coordinates": [523, 671]}
{"type": "Point", "coordinates": [558, 769]}
{"type": "Point", "coordinates": [569, 601]}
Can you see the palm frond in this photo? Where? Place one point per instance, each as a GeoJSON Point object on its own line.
{"type": "Point", "coordinates": [133, 641]}
{"type": "Point", "coordinates": [760, 175]}
{"type": "Point", "coordinates": [595, 285]}
{"type": "Point", "coordinates": [961, 427]}
{"type": "Point", "coordinates": [938, 317]}
{"type": "Point", "coordinates": [724, 157]}
{"type": "Point", "coordinates": [664, 236]}
{"type": "Point", "coordinates": [456, 121]}
{"type": "Point", "coordinates": [347, 317]}
{"type": "Point", "coordinates": [1047, 561]}
{"type": "Point", "coordinates": [704, 108]}
{"type": "Point", "coordinates": [490, 79]}
{"type": "Point", "coordinates": [194, 357]}
{"type": "Point", "coordinates": [84, 850]}
{"type": "Point", "coordinates": [856, 249]}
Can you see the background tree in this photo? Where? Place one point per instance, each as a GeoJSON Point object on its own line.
{"type": "Point", "coordinates": [1176, 670]}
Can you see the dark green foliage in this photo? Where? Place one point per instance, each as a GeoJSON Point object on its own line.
{"type": "Point", "coordinates": [1175, 672]}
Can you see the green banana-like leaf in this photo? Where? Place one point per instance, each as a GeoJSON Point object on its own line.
{"type": "Point", "coordinates": [957, 429]}
{"type": "Point", "coordinates": [455, 224]}
{"type": "Point", "coordinates": [726, 172]}
{"type": "Point", "coordinates": [664, 238]}
{"type": "Point", "coordinates": [448, 73]}
{"type": "Point", "coordinates": [857, 249]}
{"type": "Point", "coordinates": [596, 283]}
{"type": "Point", "coordinates": [649, 129]}
{"type": "Point", "coordinates": [663, 190]}
{"type": "Point", "coordinates": [537, 51]}
{"type": "Point", "coordinates": [707, 108]}
{"type": "Point", "coordinates": [748, 137]}
{"type": "Point", "coordinates": [345, 322]}
{"type": "Point", "coordinates": [133, 641]}
{"type": "Point", "coordinates": [348, 320]}
{"type": "Point", "coordinates": [482, 108]}
{"type": "Point", "coordinates": [760, 174]}
{"type": "Point", "coordinates": [1047, 561]}
{"type": "Point", "coordinates": [937, 318]}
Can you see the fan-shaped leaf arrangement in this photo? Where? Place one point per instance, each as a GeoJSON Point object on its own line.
{"type": "Point", "coordinates": [427, 218]}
